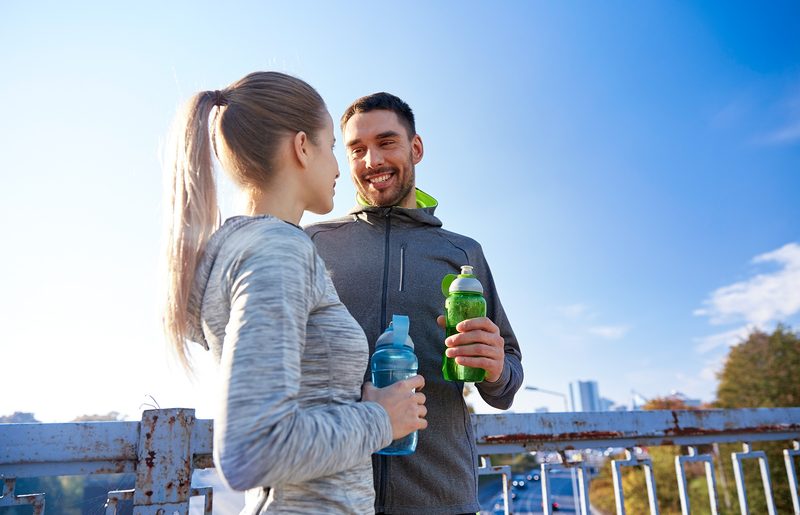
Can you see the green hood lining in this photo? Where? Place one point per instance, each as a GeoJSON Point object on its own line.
{"type": "Point", "coordinates": [423, 199]}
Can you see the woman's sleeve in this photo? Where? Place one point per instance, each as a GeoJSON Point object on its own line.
{"type": "Point", "coordinates": [261, 436]}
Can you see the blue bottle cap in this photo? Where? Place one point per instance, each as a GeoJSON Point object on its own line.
{"type": "Point", "coordinates": [397, 333]}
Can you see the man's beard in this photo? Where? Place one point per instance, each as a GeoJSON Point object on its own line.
{"type": "Point", "coordinates": [404, 189]}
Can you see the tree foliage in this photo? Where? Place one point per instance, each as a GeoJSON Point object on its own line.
{"type": "Point", "coordinates": [762, 372]}
{"type": "Point", "coordinates": [111, 416]}
{"type": "Point", "coordinates": [18, 417]}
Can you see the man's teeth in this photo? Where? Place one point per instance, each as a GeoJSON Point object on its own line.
{"type": "Point", "coordinates": [380, 178]}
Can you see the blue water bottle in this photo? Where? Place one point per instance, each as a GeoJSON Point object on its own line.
{"type": "Point", "coordinates": [392, 361]}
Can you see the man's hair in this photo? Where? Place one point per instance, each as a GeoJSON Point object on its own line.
{"type": "Point", "coordinates": [385, 101]}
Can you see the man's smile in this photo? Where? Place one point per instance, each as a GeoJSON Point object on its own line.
{"type": "Point", "coordinates": [380, 178]}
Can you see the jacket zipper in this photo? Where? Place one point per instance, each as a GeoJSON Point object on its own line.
{"type": "Point", "coordinates": [383, 461]}
{"type": "Point", "coordinates": [385, 290]}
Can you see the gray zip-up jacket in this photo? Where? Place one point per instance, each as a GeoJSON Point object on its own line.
{"type": "Point", "coordinates": [386, 261]}
{"type": "Point", "coordinates": [291, 364]}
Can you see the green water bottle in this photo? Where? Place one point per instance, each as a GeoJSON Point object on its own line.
{"type": "Point", "coordinates": [464, 301]}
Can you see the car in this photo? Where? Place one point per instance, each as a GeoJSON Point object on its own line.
{"type": "Point", "coordinates": [533, 475]}
{"type": "Point", "coordinates": [518, 481]}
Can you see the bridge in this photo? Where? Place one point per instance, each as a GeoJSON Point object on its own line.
{"type": "Point", "coordinates": [167, 446]}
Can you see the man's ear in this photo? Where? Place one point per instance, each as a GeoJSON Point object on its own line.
{"type": "Point", "coordinates": [300, 144]}
{"type": "Point", "coordinates": [417, 149]}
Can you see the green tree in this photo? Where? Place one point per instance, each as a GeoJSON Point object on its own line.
{"type": "Point", "coordinates": [18, 417]}
{"type": "Point", "coordinates": [111, 416]}
{"type": "Point", "coordinates": [762, 372]}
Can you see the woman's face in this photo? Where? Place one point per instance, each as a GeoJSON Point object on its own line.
{"type": "Point", "coordinates": [324, 170]}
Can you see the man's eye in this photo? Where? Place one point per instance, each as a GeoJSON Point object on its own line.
{"type": "Point", "coordinates": [356, 151]}
{"type": "Point", "coordinates": [387, 143]}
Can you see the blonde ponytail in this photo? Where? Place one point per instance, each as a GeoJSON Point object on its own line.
{"type": "Point", "coordinates": [256, 112]}
{"type": "Point", "coordinates": [192, 213]}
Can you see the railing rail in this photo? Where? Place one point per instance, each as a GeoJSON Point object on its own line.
{"type": "Point", "coordinates": [166, 446]}
{"type": "Point", "coordinates": [525, 432]}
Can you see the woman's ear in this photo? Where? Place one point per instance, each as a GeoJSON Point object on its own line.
{"type": "Point", "coordinates": [300, 144]}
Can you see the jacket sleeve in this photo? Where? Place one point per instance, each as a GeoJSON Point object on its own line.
{"type": "Point", "coordinates": [499, 394]}
{"type": "Point", "coordinates": [261, 435]}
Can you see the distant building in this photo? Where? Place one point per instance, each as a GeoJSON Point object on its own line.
{"type": "Point", "coordinates": [637, 400]}
{"type": "Point", "coordinates": [606, 404]}
{"type": "Point", "coordinates": [585, 396]}
{"type": "Point", "coordinates": [680, 396]}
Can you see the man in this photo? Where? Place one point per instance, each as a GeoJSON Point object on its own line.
{"type": "Point", "coordinates": [389, 257]}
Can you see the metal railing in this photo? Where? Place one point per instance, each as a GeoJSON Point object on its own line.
{"type": "Point", "coordinates": [166, 446]}
{"type": "Point", "coordinates": [559, 432]}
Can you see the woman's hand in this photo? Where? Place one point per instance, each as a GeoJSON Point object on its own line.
{"type": "Point", "coordinates": [405, 405]}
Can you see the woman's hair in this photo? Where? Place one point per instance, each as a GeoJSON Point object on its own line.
{"type": "Point", "coordinates": [253, 116]}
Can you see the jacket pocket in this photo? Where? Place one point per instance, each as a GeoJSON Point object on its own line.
{"type": "Point", "coordinates": [402, 267]}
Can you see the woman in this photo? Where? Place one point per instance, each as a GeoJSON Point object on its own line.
{"type": "Point", "coordinates": [256, 293]}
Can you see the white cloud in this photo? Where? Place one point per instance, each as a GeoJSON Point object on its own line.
{"type": "Point", "coordinates": [763, 298]}
{"type": "Point", "coordinates": [787, 130]}
{"type": "Point", "coordinates": [731, 114]}
{"type": "Point", "coordinates": [726, 339]}
{"type": "Point", "coordinates": [787, 134]}
{"type": "Point", "coordinates": [574, 311]}
{"type": "Point", "coordinates": [577, 320]}
{"type": "Point", "coordinates": [709, 371]}
{"type": "Point", "coordinates": [609, 332]}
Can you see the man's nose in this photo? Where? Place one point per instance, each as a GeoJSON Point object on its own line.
{"type": "Point", "coordinates": [374, 158]}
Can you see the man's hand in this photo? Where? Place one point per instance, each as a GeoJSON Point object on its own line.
{"type": "Point", "coordinates": [478, 344]}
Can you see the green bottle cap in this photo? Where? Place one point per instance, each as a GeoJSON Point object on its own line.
{"type": "Point", "coordinates": [465, 281]}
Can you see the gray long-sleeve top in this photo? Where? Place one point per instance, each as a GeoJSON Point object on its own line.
{"type": "Point", "coordinates": [291, 364]}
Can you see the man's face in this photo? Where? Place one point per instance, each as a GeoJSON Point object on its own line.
{"type": "Point", "coordinates": [382, 158]}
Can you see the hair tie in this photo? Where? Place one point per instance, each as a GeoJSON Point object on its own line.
{"type": "Point", "coordinates": [219, 100]}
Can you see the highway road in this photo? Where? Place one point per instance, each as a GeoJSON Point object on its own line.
{"type": "Point", "coordinates": [527, 497]}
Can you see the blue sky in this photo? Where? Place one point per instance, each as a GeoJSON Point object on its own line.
{"type": "Point", "coordinates": [632, 171]}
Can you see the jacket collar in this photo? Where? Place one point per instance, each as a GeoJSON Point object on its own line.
{"type": "Point", "coordinates": [421, 215]}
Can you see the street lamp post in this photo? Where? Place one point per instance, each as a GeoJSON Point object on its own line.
{"type": "Point", "coordinates": [537, 389]}
{"type": "Point", "coordinates": [572, 470]}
